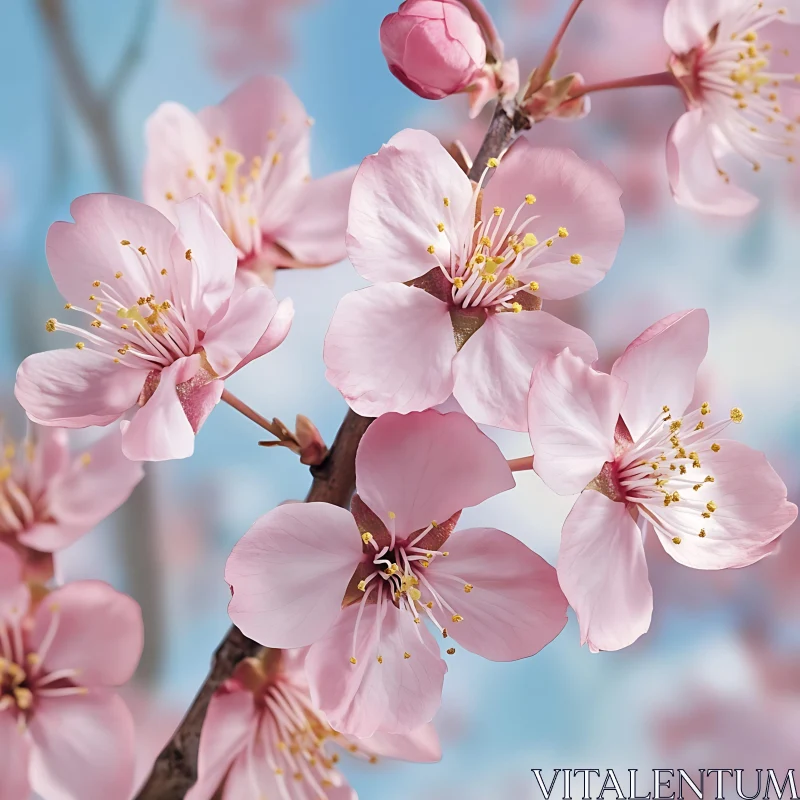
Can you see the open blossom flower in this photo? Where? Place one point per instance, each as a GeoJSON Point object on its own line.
{"type": "Point", "coordinates": [249, 158]}
{"type": "Point", "coordinates": [64, 732]}
{"type": "Point", "coordinates": [48, 498]}
{"type": "Point", "coordinates": [626, 440]}
{"type": "Point", "coordinates": [359, 586]}
{"type": "Point", "coordinates": [263, 737]}
{"type": "Point", "coordinates": [165, 328]}
{"type": "Point", "coordinates": [461, 272]}
{"type": "Point", "coordinates": [736, 87]}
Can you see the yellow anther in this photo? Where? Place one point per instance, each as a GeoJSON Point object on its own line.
{"type": "Point", "coordinates": [80, 345]}
{"type": "Point", "coordinates": [510, 281]}
{"type": "Point", "coordinates": [96, 323]}
{"type": "Point", "coordinates": [425, 564]}
{"type": "Point", "coordinates": [458, 283]}
{"type": "Point", "coordinates": [169, 196]}
{"type": "Point", "coordinates": [190, 173]}
{"type": "Point", "coordinates": [414, 594]}
{"type": "Point", "coordinates": [530, 199]}
{"type": "Point", "coordinates": [516, 308]}
{"type": "Point", "coordinates": [549, 242]}
{"type": "Point", "coordinates": [50, 325]}
{"type": "Point", "coordinates": [99, 308]}
{"type": "Point", "coordinates": [431, 249]}
{"type": "Point", "coordinates": [676, 540]}
{"type": "Point", "coordinates": [468, 587]}
{"type": "Point", "coordinates": [533, 286]}
{"type": "Point", "coordinates": [380, 659]}
{"type": "Point", "coordinates": [530, 240]}
{"type": "Point", "coordinates": [675, 497]}
{"type": "Point", "coordinates": [406, 655]}
{"type": "Point", "coordinates": [444, 633]}
{"type": "Point", "coordinates": [188, 254]}
{"type": "Point", "coordinates": [486, 241]}
{"type": "Point", "coordinates": [446, 201]}
{"type": "Point", "coordinates": [142, 249]}
{"type": "Point", "coordinates": [68, 306]}
{"type": "Point", "coordinates": [492, 163]}
{"type": "Point", "coordinates": [711, 506]}
{"type": "Point", "coordinates": [705, 409]}
{"type": "Point", "coordinates": [362, 585]}
{"type": "Point", "coordinates": [392, 515]}
{"type": "Point", "coordinates": [164, 271]}
{"type": "Point", "coordinates": [458, 618]}
{"type": "Point", "coordinates": [366, 537]}
{"type": "Point", "coordinates": [124, 242]}
{"type": "Point", "coordinates": [702, 533]}
{"type": "Point", "coordinates": [498, 210]}
{"type": "Point", "coordinates": [737, 415]}
{"type": "Point", "coordinates": [451, 651]}
{"type": "Point", "coordinates": [440, 226]}
{"type": "Point", "coordinates": [576, 259]}
{"type": "Point", "coordinates": [276, 159]}
{"type": "Point", "coordinates": [563, 233]}
{"type": "Point", "coordinates": [117, 275]}
{"type": "Point", "coordinates": [96, 284]}
{"type": "Point", "coordinates": [353, 660]}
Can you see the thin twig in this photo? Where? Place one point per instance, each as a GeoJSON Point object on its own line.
{"type": "Point", "coordinates": [654, 79]}
{"type": "Point", "coordinates": [134, 50]}
{"type": "Point", "coordinates": [277, 429]}
{"type": "Point", "coordinates": [520, 464]}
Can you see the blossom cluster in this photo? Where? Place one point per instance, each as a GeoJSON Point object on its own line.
{"type": "Point", "coordinates": [353, 606]}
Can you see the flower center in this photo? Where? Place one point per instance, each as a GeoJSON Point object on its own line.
{"type": "Point", "coordinates": [733, 78]}
{"type": "Point", "coordinates": [662, 474]}
{"type": "Point", "coordinates": [23, 679]}
{"type": "Point", "coordinates": [132, 329]}
{"type": "Point", "coordinates": [494, 267]}
{"type": "Point", "coordinates": [398, 578]}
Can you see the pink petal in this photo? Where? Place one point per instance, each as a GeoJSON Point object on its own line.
{"type": "Point", "coordinates": [694, 174]}
{"type": "Point", "coordinates": [289, 573]}
{"type": "Point", "coordinates": [603, 572]}
{"type": "Point", "coordinates": [83, 748]}
{"type": "Point", "coordinates": [426, 466]}
{"type": "Point", "coordinates": [572, 415]}
{"type": "Point", "coordinates": [503, 354]}
{"type": "Point", "coordinates": [50, 456]}
{"type": "Point", "coordinates": [515, 606]}
{"type": "Point", "coordinates": [76, 388]}
{"type": "Point", "coordinates": [90, 249]}
{"type": "Point", "coordinates": [86, 493]}
{"type": "Point", "coordinates": [688, 23]}
{"type": "Point", "coordinates": [390, 348]}
{"type": "Point", "coordinates": [570, 193]}
{"type": "Point", "coordinates": [14, 594]}
{"type": "Point", "coordinates": [395, 696]}
{"type": "Point", "coordinates": [176, 142]}
{"type": "Point", "coordinates": [230, 721]}
{"type": "Point", "coordinates": [276, 332]}
{"type": "Point", "coordinates": [660, 367]}
{"type": "Point", "coordinates": [397, 202]}
{"type": "Point", "coordinates": [421, 746]}
{"type": "Point", "coordinates": [314, 231]}
{"type": "Point", "coordinates": [160, 429]}
{"type": "Point", "coordinates": [212, 268]}
{"type": "Point", "coordinates": [260, 107]}
{"type": "Point", "coordinates": [99, 632]}
{"type": "Point", "coordinates": [752, 512]}
{"type": "Point", "coordinates": [14, 756]}
{"type": "Point", "coordinates": [231, 339]}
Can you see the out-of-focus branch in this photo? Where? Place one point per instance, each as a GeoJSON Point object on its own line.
{"type": "Point", "coordinates": [96, 108]}
{"type": "Point", "coordinates": [175, 770]}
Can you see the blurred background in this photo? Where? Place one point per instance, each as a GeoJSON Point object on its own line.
{"type": "Point", "coordinates": [717, 678]}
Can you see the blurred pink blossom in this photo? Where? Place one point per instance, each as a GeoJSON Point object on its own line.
{"type": "Point", "coordinates": [49, 499]}
{"type": "Point", "coordinates": [460, 272]}
{"type": "Point", "coordinates": [246, 34]}
{"type": "Point", "coordinates": [263, 737]}
{"type": "Point", "coordinates": [166, 328]}
{"type": "Point", "coordinates": [249, 158]}
{"type": "Point", "coordinates": [713, 503]}
{"type": "Point", "coordinates": [308, 574]}
{"type": "Point", "coordinates": [64, 732]}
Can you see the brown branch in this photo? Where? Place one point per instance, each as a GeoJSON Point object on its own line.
{"type": "Point", "coordinates": [175, 770]}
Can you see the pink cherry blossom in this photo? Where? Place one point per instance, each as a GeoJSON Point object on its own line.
{"type": "Point", "coordinates": [434, 47]}
{"type": "Point", "coordinates": [165, 330]}
{"type": "Point", "coordinates": [461, 271]}
{"type": "Point", "coordinates": [626, 441]}
{"type": "Point", "coordinates": [263, 737]}
{"type": "Point", "coordinates": [249, 158]}
{"type": "Point", "coordinates": [64, 732]}
{"type": "Point", "coordinates": [49, 498]}
{"type": "Point", "coordinates": [356, 585]}
{"type": "Point", "coordinates": [735, 85]}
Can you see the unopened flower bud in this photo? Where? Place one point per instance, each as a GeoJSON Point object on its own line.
{"type": "Point", "coordinates": [433, 46]}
